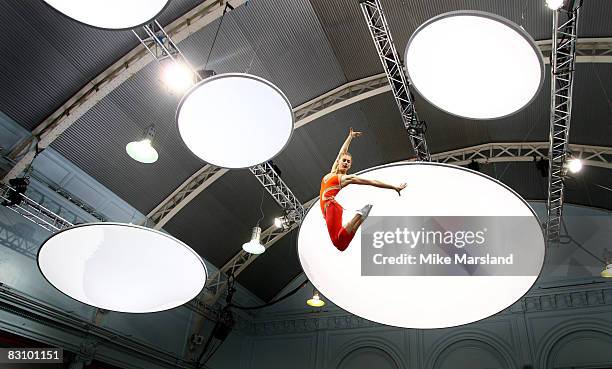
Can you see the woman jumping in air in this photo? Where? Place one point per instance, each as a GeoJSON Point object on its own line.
{"type": "Point", "coordinates": [332, 183]}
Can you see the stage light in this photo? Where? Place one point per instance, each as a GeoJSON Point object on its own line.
{"type": "Point", "coordinates": [607, 272]}
{"type": "Point", "coordinates": [426, 295]}
{"type": "Point", "coordinates": [554, 4]}
{"type": "Point", "coordinates": [315, 301]}
{"type": "Point", "coordinates": [122, 267]}
{"type": "Point", "coordinates": [110, 14]}
{"type": "Point", "coordinates": [574, 165]}
{"type": "Point", "coordinates": [278, 222]}
{"type": "Point", "coordinates": [143, 150]}
{"type": "Point", "coordinates": [542, 166]}
{"type": "Point", "coordinates": [254, 246]}
{"type": "Point", "coordinates": [474, 64]}
{"type": "Point", "coordinates": [178, 77]}
{"type": "Point", "coordinates": [235, 120]}
{"type": "Point", "coordinates": [474, 165]}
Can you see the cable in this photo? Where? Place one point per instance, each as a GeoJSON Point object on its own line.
{"type": "Point", "coordinates": [291, 293]}
{"type": "Point", "coordinates": [227, 5]}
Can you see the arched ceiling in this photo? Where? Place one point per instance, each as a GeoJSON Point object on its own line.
{"type": "Point", "coordinates": [306, 47]}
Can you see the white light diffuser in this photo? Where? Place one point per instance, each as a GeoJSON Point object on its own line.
{"type": "Point", "coordinates": [122, 267]}
{"type": "Point", "coordinates": [110, 14]}
{"type": "Point", "coordinates": [474, 65]}
{"type": "Point", "coordinates": [142, 151]}
{"type": "Point", "coordinates": [235, 120]}
{"type": "Point", "coordinates": [416, 301]}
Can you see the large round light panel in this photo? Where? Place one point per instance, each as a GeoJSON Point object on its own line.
{"type": "Point", "coordinates": [235, 120]}
{"type": "Point", "coordinates": [110, 14]}
{"type": "Point", "coordinates": [475, 65]}
{"type": "Point", "coordinates": [429, 293]}
{"type": "Point", "coordinates": [122, 267]}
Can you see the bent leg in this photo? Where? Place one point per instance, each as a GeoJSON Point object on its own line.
{"type": "Point", "coordinates": [339, 236]}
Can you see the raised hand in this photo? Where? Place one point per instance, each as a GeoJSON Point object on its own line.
{"type": "Point", "coordinates": [400, 188]}
{"type": "Point", "coordinates": [354, 134]}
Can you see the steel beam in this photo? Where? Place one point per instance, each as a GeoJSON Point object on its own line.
{"type": "Point", "coordinates": [392, 64]}
{"type": "Point", "coordinates": [563, 58]}
{"type": "Point", "coordinates": [139, 57]}
{"type": "Point", "coordinates": [186, 192]}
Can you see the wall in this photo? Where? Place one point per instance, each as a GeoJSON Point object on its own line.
{"type": "Point", "coordinates": [564, 321]}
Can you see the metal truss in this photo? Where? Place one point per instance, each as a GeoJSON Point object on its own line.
{"type": "Point", "coordinates": [33, 211]}
{"type": "Point", "coordinates": [340, 97]}
{"type": "Point", "coordinates": [183, 195]}
{"type": "Point", "coordinates": [563, 60]}
{"type": "Point", "coordinates": [597, 156]}
{"type": "Point", "coordinates": [600, 51]}
{"type": "Point", "coordinates": [159, 44]}
{"type": "Point", "coordinates": [92, 93]}
{"type": "Point", "coordinates": [588, 50]}
{"type": "Point", "coordinates": [379, 29]}
{"type": "Point", "coordinates": [216, 284]}
{"type": "Point", "coordinates": [486, 153]}
{"type": "Point", "coordinates": [272, 182]}
{"type": "Point", "coordinates": [12, 240]}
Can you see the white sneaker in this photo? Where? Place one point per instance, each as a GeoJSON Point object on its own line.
{"type": "Point", "coordinates": [365, 211]}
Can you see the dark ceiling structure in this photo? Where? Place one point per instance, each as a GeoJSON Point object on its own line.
{"type": "Point", "coordinates": [306, 48]}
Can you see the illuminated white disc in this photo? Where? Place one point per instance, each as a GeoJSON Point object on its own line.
{"type": "Point", "coordinates": [475, 65]}
{"type": "Point", "coordinates": [110, 14]}
{"type": "Point", "coordinates": [235, 120]}
{"type": "Point", "coordinates": [420, 301]}
{"type": "Point", "coordinates": [122, 267]}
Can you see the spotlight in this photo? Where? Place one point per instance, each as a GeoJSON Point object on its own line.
{"type": "Point", "coordinates": [281, 222]}
{"type": "Point", "coordinates": [254, 246]}
{"type": "Point", "coordinates": [542, 166]}
{"type": "Point", "coordinates": [315, 301]}
{"type": "Point", "coordinates": [474, 166]}
{"type": "Point", "coordinates": [178, 77]}
{"type": "Point", "coordinates": [554, 4]}
{"type": "Point", "coordinates": [19, 186]}
{"type": "Point", "coordinates": [143, 151]}
{"type": "Point", "coordinates": [574, 165]}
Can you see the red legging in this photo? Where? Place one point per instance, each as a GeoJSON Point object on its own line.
{"type": "Point", "coordinates": [340, 237]}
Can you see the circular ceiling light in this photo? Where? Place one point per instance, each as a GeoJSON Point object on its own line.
{"type": "Point", "coordinates": [235, 120]}
{"type": "Point", "coordinates": [122, 267]}
{"type": "Point", "coordinates": [430, 293]}
{"type": "Point", "coordinates": [474, 65]}
{"type": "Point", "coordinates": [110, 14]}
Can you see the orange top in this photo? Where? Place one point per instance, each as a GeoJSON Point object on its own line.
{"type": "Point", "coordinates": [329, 189]}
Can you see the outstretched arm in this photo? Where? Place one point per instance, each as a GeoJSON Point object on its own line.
{"type": "Point", "coordinates": [353, 179]}
{"type": "Point", "coordinates": [344, 148]}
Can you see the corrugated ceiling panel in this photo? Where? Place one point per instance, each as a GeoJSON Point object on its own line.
{"type": "Point", "coordinates": [96, 143]}
{"type": "Point", "coordinates": [290, 41]}
{"type": "Point", "coordinates": [352, 44]}
{"type": "Point", "coordinates": [220, 219]}
{"type": "Point", "coordinates": [47, 57]}
{"type": "Point", "coordinates": [269, 273]}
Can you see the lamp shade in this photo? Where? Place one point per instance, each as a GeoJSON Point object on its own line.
{"type": "Point", "coordinates": [254, 246]}
{"type": "Point", "coordinates": [235, 120]}
{"type": "Point", "coordinates": [315, 301]}
{"type": "Point", "coordinates": [110, 14]}
{"type": "Point", "coordinates": [122, 267]}
{"type": "Point", "coordinates": [607, 272]}
{"type": "Point", "coordinates": [474, 64]}
{"type": "Point", "coordinates": [142, 151]}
